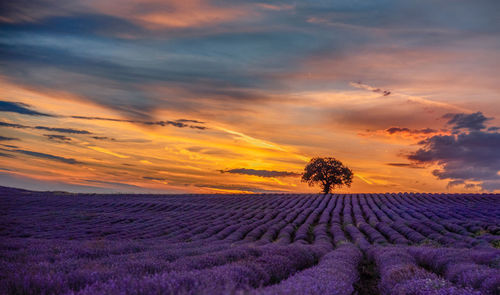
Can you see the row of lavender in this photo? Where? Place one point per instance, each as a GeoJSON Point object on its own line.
{"type": "Point", "coordinates": [270, 244]}
{"type": "Point", "coordinates": [50, 267]}
{"type": "Point", "coordinates": [453, 220]}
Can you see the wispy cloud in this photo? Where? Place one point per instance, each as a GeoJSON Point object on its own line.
{"type": "Point", "coordinates": [235, 188]}
{"type": "Point", "coordinates": [360, 85]}
{"type": "Point", "coordinates": [154, 178]}
{"type": "Point", "coordinates": [4, 138]}
{"type": "Point", "coordinates": [394, 130]}
{"type": "Point", "coordinates": [411, 98]}
{"type": "Point", "coordinates": [103, 138]}
{"type": "Point", "coordinates": [48, 156]}
{"type": "Point", "coordinates": [54, 129]}
{"type": "Point", "coordinates": [20, 108]}
{"type": "Point", "coordinates": [261, 173]}
{"type": "Point", "coordinates": [106, 151]}
{"type": "Point", "coordinates": [405, 165]}
{"type": "Point", "coordinates": [62, 130]}
{"type": "Point", "coordinates": [178, 123]}
{"type": "Point", "coordinates": [56, 137]}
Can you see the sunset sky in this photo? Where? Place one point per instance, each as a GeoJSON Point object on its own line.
{"type": "Point", "coordinates": [236, 96]}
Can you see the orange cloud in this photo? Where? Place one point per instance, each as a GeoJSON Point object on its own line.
{"type": "Point", "coordinates": [156, 14]}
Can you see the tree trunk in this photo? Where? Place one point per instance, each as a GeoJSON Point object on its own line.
{"type": "Point", "coordinates": [326, 188]}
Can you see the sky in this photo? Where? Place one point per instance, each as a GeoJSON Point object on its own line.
{"type": "Point", "coordinates": [237, 96]}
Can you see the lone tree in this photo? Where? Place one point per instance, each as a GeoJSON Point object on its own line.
{"type": "Point", "coordinates": [328, 172]}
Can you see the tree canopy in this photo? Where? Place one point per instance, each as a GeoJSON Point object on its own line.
{"type": "Point", "coordinates": [328, 172]}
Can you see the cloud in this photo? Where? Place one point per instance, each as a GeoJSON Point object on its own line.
{"type": "Point", "coordinates": [394, 130]}
{"type": "Point", "coordinates": [6, 155]}
{"type": "Point", "coordinates": [63, 130]}
{"type": "Point", "coordinates": [5, 124]}
{"type": "Point", "coordinates": [57, 137]}
{"type": "Point", "coordinates": [20, 108]}
{"type": "Point", "coordinates": [106, 151]}
{"type": "Point", "coordinates": [474, 121]}
{"type": "Point", "coordinates": [13, 179]}
{"type": "Point", "coordinates": [404, 132]}
{"type": "Point", "coordinates": [48, 156]}
{"type": "Point", "coordinates": [261, 173]}
{"type": "Point", "coordinates": [195, 68]}
{"type": "Point", "coordinates": [214, 152]}
{"type": "Point", "coordinates": [178, 123]}
{"type": "Point", "coordinates": [466, 185]}
{"type": "Point", "coordinates": [190, 121]}
{"type": "Point", "coordinates": [406, 165]}
{"type": "Point", "coordinates": [60, 130]}
{"type": "Point", "coordinates": [370, 88]}
{"type": "Point", "coordinates": [3, 138]}
{"type": "Point", "coordinates": [464, 156]}
{"type": "Point", "coordinates": [455, 183]}
{"type": "Point", "coordinates": [103, 138]}
{"type": "Point", "coordinates": [382, 114]}
{"type": "Point", "coordinates": [235, 188]}
{"type": "Point", "coordinates": [154, 178]}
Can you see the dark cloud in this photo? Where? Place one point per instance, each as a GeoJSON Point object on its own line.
{"type": "Point", "coordinates": [494, 128]}
{"type": "Point", "coordinates": [198, 127]}
{"type": "Point", "coordinates": [103, 138]}
{"type": "Point", "coordinates": [474, 121]}
{"type": "Point", "coordinates": [154, 178]}
{"type": "Point", "coordinates": [407, 165]}
{"type": "Point", "coordinates": [63, 130]}
{"type": "Point", "coordinates": [5, 124]}
{"type": "Point", "coordinates": [472, 185]}
{"type": "Point", "coordinates": [455, 183]}
{"type": "Point", "coordinates": [471, 156]}
{"type": "Point", "coordinates": [57, 137]}
{"type": "Point", "coordinates": [190, 121]}
{"type": "Point", "coordinates": [3, 138]}
{"type": "Point", "coordinates": [394, 130]}
{"type": "Point", "coordinates": [19, 108]}
{"type": "Point", "coordinates": [6, 155]}
{"type": "Point", "coordinates": [48, 156]}
{"type": "Point", "coordinates": [178, 123]}
{"type": "Point", "coordinates": [60, 130]}
{"type": "Point", "coordinates": [261, 173]}
{"type": "Point", "coordinates": [383, 92]}
{"type": "Point", "coordinates": [466, 185]}
{"type": "Point", "coordinates": [361, 85]}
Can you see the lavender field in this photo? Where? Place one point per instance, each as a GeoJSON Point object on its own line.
{"type": "Point", "coordinates": [59, 243]}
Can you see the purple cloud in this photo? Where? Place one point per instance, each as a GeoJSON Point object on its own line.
{"type": "Point", "coordinates": [474, 121]}
{"type": "Point", "coordinates": [464, 156]}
